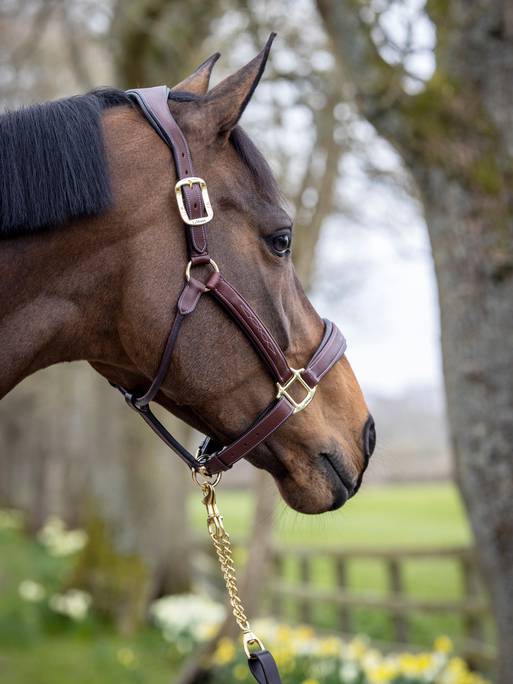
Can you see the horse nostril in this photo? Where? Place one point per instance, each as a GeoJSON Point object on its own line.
{"type": "Point", "coordinates": [369, 437]}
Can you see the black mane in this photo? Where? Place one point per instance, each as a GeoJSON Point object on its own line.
{"type": "Point", "coordinates": [52, 162]}
{"type": "Point", "coordinates": [53, 166]}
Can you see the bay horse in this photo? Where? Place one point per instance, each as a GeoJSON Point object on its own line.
{"type": "Point", "coordinates": [92, 257]}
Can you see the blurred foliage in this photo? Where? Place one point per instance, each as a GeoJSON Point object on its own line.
{"type": "Point", "coordinates": [118, 581]}
{"type": "Point", "coordinates": [40, 644]}
{"type": "Point", "coordinates": [304, 657]}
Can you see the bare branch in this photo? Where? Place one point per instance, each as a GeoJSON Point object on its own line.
{"type": "Point", "coordinates": [71, 39]}
{"type": "Point", "coordinates": [308, 224]}
{"type": "Point", "coordinates": [378, 84]}
{"type": "Point", "coordinates": [40, 21]}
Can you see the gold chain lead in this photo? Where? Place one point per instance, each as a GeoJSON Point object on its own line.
{"type": "Point", "coordinates": [222, 544]}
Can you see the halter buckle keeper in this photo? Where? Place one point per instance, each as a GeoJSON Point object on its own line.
{"type": "Point", "coordinates": [283, 390]}
{"type": "Point", "coordinates": [190, 181]}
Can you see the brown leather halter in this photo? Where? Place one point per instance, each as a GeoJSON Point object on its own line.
{"type": "Point", "coordinates": [196, 212]}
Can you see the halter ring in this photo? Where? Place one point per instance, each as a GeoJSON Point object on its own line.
{"type": "Point", "coordinates": [212, 480]}
{"type": "Point", "coordinates": [211, 262]}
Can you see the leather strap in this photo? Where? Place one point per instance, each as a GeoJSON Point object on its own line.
{"type": "Point", "coordinates": [331, 349]}
{"type": "Point", "coordinates": [161, 431]}
{"type": "Point", "coordinates": [263, 668]}
{"type": "Point", "coordinates": [252, 326]}
{"type": "Point", "coordinates": [273, 418]}
{"type": "Point", "coordinates": [154, 105]}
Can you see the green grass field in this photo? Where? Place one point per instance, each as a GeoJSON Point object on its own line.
{"type": "Point", "coordinates": [42, 653]}
{"type": "Point", "coordinates": [406, 515]}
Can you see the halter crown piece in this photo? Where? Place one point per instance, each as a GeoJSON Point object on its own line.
{"type": "Point", "coordinates": [212, 459]}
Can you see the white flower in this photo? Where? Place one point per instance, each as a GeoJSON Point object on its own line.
{"type": "Point", "coordinates": [74, 603]}
{"type": "Point", "coordinates": [58, 540]}
{"type": "Point", "coordinates": [349, 672]}
{"type": "Point", "coordinates": [31, 591]}
{"type": "Point", "coordinates": [187, 616]}
{"type": "Point", "coordinates": [10, 519]}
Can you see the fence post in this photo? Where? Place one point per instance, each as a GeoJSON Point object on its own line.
{"type": "Point", "coordinates": [396, 589]}
{"type": "Point", "coordinates": [305, 613]}
{"type": "Point", "coordinates": [472, 623]}
{"type": "Point", "coordinates": [342, 583]}
{"type": "Point", "coordinates": [277, 561]}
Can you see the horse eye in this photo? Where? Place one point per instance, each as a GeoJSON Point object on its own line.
{"type": "Point", "coordinates": [281, 243]}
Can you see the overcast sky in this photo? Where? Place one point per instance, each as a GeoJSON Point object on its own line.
{"type": "Point", "coordinates": [389, 315]}
{"type": "Point", "coordinates": [388, 305]}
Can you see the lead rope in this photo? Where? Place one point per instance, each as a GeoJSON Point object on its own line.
{"type": "Point", "coordinates": [260, 661]}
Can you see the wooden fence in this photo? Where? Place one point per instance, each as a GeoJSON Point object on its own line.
{"type": "Point", "coordinates": [471, 606]}
{"type": "Point", "coordinates": [305, 594]}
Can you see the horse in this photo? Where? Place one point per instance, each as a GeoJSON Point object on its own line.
{"type": "Point", "coordinates": [92, 259]}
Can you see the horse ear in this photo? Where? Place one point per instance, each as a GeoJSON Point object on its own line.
{"type": "Point", "coordinates": [197, 82]}
{"type": "Point", "coordinates": [226, 102]}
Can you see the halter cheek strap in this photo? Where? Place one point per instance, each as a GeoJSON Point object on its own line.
{"type": "Point", "coordinates": [196, 212]}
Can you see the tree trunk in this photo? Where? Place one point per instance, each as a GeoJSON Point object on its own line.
{"type": "Point", "coordinates": [476, 302]}
{"type": "Point", "coordinates": [456, 137]}
{"type": "Point", "coordinates": [158, 41]}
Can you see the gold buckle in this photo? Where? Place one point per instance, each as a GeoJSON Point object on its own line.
{"type": "Point", "coordinates": [283, 390]}
{"type": "Point", "coordinates": [193, 180]}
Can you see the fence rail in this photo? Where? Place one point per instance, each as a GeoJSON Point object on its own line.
{"type": "Point", "coordinates": [471, 606]}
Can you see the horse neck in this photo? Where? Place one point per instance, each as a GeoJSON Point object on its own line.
{"type": "Point", "coordinates": [49, 284]}
{"type": "Point", "coordinates": [64, 290]}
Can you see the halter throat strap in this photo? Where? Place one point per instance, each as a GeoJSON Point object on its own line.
{"type": "Point", "coordinates": [196, 212]}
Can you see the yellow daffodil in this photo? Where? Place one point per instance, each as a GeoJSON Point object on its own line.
{"type": "Point", "coordinates": [304, 632]}
{"type": "Point", "coordinates": [240, 672]}
{"type": "Point", "coordinates": [382, 674]}
{"type": "Point", "coordinates": [126, 657]}
{"type": "Point", "coordinates": [329, 647]}
{"type": "Point", "coordinates": [443, 644]}
{"type": "Point", "coordinates": [225, 652]}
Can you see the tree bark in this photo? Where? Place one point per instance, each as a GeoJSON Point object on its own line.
{"type": "Point", "coordinates": [456, 137]}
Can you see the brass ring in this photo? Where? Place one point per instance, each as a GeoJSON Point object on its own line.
{"type": "Point", "coordinates": [189, 266]}
{"type": "Point", "coordinates": [212, 480]}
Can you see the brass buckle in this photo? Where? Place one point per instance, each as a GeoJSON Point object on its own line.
{"type": "Point", "coordinates": [283, 390]}
{"type": "Point", "coordinates": [193, 180]}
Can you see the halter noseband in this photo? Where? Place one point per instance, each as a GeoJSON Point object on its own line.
{"type": "Point", "coordinates": [196, 211]}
